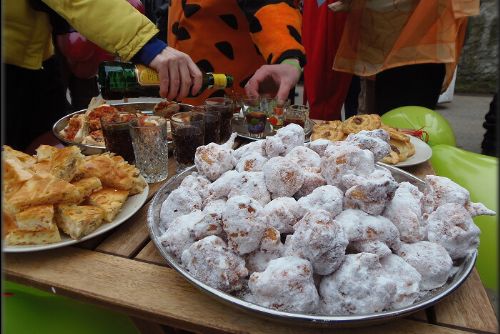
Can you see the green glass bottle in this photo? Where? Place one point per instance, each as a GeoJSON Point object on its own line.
{"type": "Point", "coordinates": [119, 80]}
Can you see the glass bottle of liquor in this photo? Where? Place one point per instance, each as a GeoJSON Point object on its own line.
{"type": "Point", "coordinates": [120, 80]}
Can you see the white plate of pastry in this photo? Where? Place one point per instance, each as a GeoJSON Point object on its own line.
{"type": "Point", "coordinates": [423, 152]}
{"type": "Point", "coordinates": [58, 197]}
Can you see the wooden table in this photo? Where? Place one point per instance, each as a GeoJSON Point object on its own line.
{"type": "Point", "coordinates": [122, 270]}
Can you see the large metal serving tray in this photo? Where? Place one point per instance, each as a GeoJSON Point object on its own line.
{"type": "Point", "coordinates": [463, 271]}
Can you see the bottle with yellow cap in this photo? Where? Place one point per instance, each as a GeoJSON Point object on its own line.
{"type": "Point", "coordinates": [120, 80]}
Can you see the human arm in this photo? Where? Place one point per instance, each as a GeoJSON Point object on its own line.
{"type": "Point", "coordinates": [102, 22]}
{"type": "Point", "coordinates": [275, 29]}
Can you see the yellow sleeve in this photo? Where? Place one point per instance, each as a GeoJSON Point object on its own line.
{"type": "Point", "coordinates": [114, 25]}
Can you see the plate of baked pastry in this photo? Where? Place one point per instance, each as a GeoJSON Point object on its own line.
{"type": "Point", "coordinates": [318, 233]}
{"type": "Point", "coordinates": [59, 197]}
{"type": "Point", "coordinates": [406, 150]}
{"type": "Point", "coordinates": [83, 128]}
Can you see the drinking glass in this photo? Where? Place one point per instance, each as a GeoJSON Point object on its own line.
{"type": "Point", "coordinates": [255, 116]}
{"type": "Point", "coordinates": [212, 123]}
{"type": "Point", "coordinates": [115, 130]}
{"type": "Point", "coordinates": [224, 106]}
{"type": "Point", "coordinates": [296, 113]}
{"type": "Point", "coordinates": [149, 139]}
{"type": "Point", "coordinates": [277, 114]}
{"type": "Point", "coordinates": [188, 132]}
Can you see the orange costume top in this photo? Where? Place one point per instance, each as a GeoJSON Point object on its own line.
{"type": "Point", "coordinates": [385, 34]}
{"type": "Point", "coordinates": [235, 36]}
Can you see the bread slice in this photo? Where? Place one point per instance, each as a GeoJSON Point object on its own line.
{"type": "Point", "coordinates": [15, 173]}
{"type": "Point", "coordinates": [26, 159]}
{"type": "Point", "coordinates": [112, 170]}
{"type": "Point", "coordinates": [45, 152]}
{"type": "Point", "coordinates": [110, 200]}
{"type": "Point", "coordinates": [36, 218]}
{"type": "Point", "coordinates": [48, 235]}
{"type": "Point", "coordinates": [34, 227]}
{"type": "Point", "coordinates": [65, 161]}
{"type": "Point", "coordinates": [43, 189]}
{"type": "Point", "coordinates": [88, 185]}
{"type": "Point", "coordinates": [78, 220]}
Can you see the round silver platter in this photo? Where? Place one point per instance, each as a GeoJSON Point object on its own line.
{"type": "Point", "coordinates": [144, 107]}
{"type": "Point", "coordinates": [434, 296]}
{"type": "Point", "coordinates": [239, 126]}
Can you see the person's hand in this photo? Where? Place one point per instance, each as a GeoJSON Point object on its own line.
{"type": "Point", "coordinates": [273, 79]}
{"type": "Point", "coordinates": [178, 74]}
{"type": "Point", "coordinates": [340, 6]}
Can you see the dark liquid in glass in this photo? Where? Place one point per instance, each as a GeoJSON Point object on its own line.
{"type": "Point", "coordinates": [118, 140]}
{"type": "Point", "coordinates": [226, 115]}
{"type": "Point", "coordinates": [212, 129]}
{"type": "Point", "coordinates": [186, 140]}
{"type": "Point", "coordinates": [294, 120]}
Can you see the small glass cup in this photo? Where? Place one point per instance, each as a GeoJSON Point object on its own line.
{"type": "Point", "coordinates": [212, 123]}
{"type": "Point", "coordinates": [115, 130]}
{"type": "Point", "coordinates": [296, 113]}
{"type": "Point", "coordinates": [149, 139]}
{"type": "Point", "coordinates": [255, 116]}
{"type": "Point", "coordinates": [224, 106]}
{"type": "Point", "coordinates": [277, 115]}
{"type": "Point", "coordinates": [188, 132]}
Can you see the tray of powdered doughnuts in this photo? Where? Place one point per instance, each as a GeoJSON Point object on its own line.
{"type": "Point", "coordinates": [406, 150]}
{"type": "Point", "coordinates": [317, 233]}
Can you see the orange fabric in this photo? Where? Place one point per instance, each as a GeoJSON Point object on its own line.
{"type": "Point", "coordinates": [272, 40]}
{"type": "Point", "coordinates": [386, 34]}
{"type": "Point", "coordinates": [206, 29]}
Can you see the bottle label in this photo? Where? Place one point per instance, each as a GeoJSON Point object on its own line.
{"type": "Point", "coordinates": [146, 76]}
{"type": "Point", "coordinates": [220, 81]}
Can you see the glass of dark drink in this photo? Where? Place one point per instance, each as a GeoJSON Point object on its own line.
{"type": "Point", "coordinates": [296, 113]}
{"type": "Point", "coordinates": [212, 123]}
{"type": "Point", "coordinates": [188, 132]}
{"type": "Point", "coordinates": [224, 106]}
{"type": "Point", "coordinates": [115, 129]}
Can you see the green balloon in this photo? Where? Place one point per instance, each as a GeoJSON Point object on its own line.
{"type": "Point", "coordinates": [29, 310]}
{"type": "Point", "coordinates": [413, 117]}
{"type": "Point", "coordinates": [478, 174]}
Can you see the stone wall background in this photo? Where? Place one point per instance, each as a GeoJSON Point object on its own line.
{"type": "Point", "coordinates": [478, 67]}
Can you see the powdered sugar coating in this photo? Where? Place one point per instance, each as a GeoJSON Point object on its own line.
{"type": "Point", "coordinates": [252, 162]}
{"type": "Point", "coordinates": [345, 158]}
{"type": "Point", "coordinates": [405, 211]}
{"type": "Point", "coordinates": [319, 239]}
{"type": "Point", "coordinates": [440, 190]}
{"type": "Point", "coordinates": [284, 140]}
{"type": "Point", "coordinates": [253, 147]}
{"type": "Point", "coordinates": [213, 160]}
{"type": "Point", "coordinates": [283, 213]}
{"type": "Point", "coordinates": [211, 262]}
{"type": "Point", "coordinates": [196, 182]}
{"type": "Point", "coordinates": [283, 177]}
{"type": "Point", "coordinates": [359, 286]}
{"type": "Point", "coordinates": [304, 157]}
{"type": "Point", "coordinates": [327, 198]}
{"type": "Point", "coordinates": [243, 223]}
{"type": "Point", "coordinates": [407, 280]}
{"type": "Point", "coordinates": [181, 201]}
{"type": "Point", "coordinates": [312, 180]}
{"type": "Point", "coordinates": [319, 146]}
{"type": "Point", "coordinates": [377, 141]}
{"type": "Point", "coordinates": [369, 193]}
{"type": "Point", "coordinates": [452, 227]}
{"type": "Point", "coordinates": [430, 260]}
{"type": "Point", "coordinates": [360, 227]}
{"type": "Point", "coordinates": [270, 248]}
{"type": "Point", "coordinates": [251, 184]}
{"type": "Point", "coordinates": [294, 291]}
